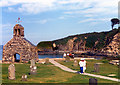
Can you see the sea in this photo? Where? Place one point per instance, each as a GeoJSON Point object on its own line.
{"type": "Point", "coordinates": [50, 56]}
{"type": "Point", "coordinates": [1, 49]}
{"type": "Point", "coordinates": [40, 56]}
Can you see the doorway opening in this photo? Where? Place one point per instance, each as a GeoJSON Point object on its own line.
{"type": "Point", "coordinates": [17, 57]}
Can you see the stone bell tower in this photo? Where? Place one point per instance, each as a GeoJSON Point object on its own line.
{"type": "Point", "coordinates": [18, 31]}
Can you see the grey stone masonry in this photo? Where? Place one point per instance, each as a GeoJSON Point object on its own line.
{"type": "Point", "coordinates": [19, 45]}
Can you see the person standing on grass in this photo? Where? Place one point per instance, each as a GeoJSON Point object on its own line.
{"type": "Point", "coordinates": [67, 54]}
{"type": "Point", "coordinates": [82, 64]}
{"type": "Point", "coordinates": [64, 55]}
{"type": "Point", "coordinates": [84, 68]}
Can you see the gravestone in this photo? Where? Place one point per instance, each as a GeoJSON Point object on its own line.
{"type": "Point", "coordinates": [47, 61]}
{"type": "Point", "coordinates": [92, 81]}
{"type": "Point", "coordinates": [96, 67]}
{"type": "Point", "coordinates": [24, 77]}
{"type": "Point", "coordinates": [75, 63]}
{"type": "Point", "coordinates": [67, 59]}
{"type": "Point", "coordinates": [33, 68]}
{"type": "Point", "coordinates": [11, 72]}
{"type": "Point", "coordinates": [32, 62]}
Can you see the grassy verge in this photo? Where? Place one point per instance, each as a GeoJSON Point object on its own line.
{"type": "Point", "coordinates": [46, 74]}
{"type": "Point", "coordinates": [105, 68]}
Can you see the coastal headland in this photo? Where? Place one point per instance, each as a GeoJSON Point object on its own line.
{"type": "Point", "coordinates": [91, 44]}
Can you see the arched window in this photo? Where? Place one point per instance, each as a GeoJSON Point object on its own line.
{"type": "Point", "coordinates": [19, 31]}
{"type": "Point", "coordinates": [15, 31]}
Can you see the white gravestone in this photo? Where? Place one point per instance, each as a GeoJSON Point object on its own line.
{"type": "Point", "coordinates": [11, 71]}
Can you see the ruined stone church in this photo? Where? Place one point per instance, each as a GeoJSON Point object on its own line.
{"type": "Point", "coordinates": [19, 49]}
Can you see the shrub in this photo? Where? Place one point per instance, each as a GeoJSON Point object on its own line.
{"type": "Point", "coordinates": [105, 61]}
{"type": "Point", "coordinates": [29, 62]}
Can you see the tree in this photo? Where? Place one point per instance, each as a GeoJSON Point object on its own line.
{"type": "Point", "coordinates": [114, 22]}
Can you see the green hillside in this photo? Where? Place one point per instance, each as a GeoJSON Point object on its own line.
{"type": "Point", "coordinates": [104, 39]}
{"type": "Point", "coordinates": [44, 45]}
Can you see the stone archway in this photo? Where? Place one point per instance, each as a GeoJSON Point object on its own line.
{"type": "Point", "coordinates": [17, 57]}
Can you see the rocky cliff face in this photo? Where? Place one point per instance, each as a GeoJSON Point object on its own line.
{"type": "Point", "coordinates": [114, 45]}
{"type": "Point", "coordinates": [70, 44]}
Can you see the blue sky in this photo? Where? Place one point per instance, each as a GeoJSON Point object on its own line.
{"type": "Point", "coordinates": [45, 20]}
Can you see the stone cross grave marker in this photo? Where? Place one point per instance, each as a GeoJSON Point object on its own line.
{"type": "Point", "coordinates": [96, 67]}
{"type": "Point", "coordinates": [11, 71]}
{"type": "Point", "coordinates": [92, 81]}
{"type": "Point", "coordinates": [33, 68]}
{"type": "Point", "coordinates": [75, 63]}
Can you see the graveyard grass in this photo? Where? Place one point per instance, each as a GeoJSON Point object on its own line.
{"type": "Point", "coordinates": [0, 73]}
{"type": "Point", "coordinates": [46, 73]}
{"type": "Point", "coordinates": [104, 69]}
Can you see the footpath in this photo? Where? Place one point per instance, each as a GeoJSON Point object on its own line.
{"type": "Point", "coordinates": [73, 71]}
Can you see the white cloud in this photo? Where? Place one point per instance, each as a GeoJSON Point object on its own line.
{"type": "Point", "coordinates": [37, 21]}
{"type": "Point", "coordinates": [34, 8]}
{"type": "Point", "coordinates": [28, 6]}
{"type": "Point", "coordinates": [84, 6]}
{"type": "Point", "coordinates": [5, 3]}
{"type": "Point", "coordinates": [8, 25]}
{"type": "Point", "coordinates": [89, 15]}
{"type": "Point", "coordinates": [11, 9]}
{"type": "Point", "coordinates": [43, 21]}
{"type": "Point", "coordinates": [95, 20]}
{"type": "Point", "coordinates": [70, 1]}
{"type": "Point", "coordinates": [62, 17]}
{"type": "Point", "coordinates": [86, 20]}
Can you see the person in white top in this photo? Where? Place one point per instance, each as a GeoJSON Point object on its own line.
{"type": "Point", "coordinates": [82, 64]}
{"type": "Point", "coordinates": [67, 54]}
{"type": "Point", "coordinates": [64, 55]}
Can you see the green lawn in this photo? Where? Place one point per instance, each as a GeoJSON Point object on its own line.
{"type": "Point", "coordinates": [46, 74]}
{"type": "Point", "coordinates": [0, 73]}
{"type": "Point", "coordinates": [105, 68]}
